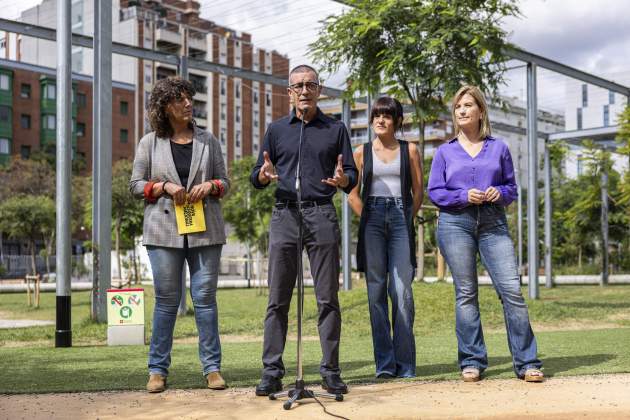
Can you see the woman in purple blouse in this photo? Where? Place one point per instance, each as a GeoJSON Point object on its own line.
{"type": "Point", "coordinates": [472, 181]}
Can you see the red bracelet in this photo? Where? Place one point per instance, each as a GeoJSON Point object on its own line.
{"type": "Point", "coordinates": [220, 188]}
{"type": "Point", "coordinates": [148, 192]}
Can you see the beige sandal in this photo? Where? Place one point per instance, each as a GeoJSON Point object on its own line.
{"type": "Point", "coordinates": [471, 374]}
{"type": "Point", "coordinates": [534, 375]}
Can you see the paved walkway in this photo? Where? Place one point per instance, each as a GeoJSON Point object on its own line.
{"type": "Point", "coordinates": [23, 323]}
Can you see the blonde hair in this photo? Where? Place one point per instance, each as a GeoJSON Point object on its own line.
{"type": "Point", "coordinates": [484, 126]}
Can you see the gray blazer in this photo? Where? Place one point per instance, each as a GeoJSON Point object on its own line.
{"type": "Point", "coordinates": [154, 161]}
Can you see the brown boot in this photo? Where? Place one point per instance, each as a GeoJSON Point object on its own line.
{"type": "Point", "coordinates": [215, 380]}
{"type": "Point", "coordinates": [157, 383]}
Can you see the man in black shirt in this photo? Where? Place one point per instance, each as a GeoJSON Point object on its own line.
{"type": "Point", "coordinates": [326, 164]}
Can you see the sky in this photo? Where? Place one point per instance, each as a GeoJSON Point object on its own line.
{"type": "Point", "coordinates": [591, 35]}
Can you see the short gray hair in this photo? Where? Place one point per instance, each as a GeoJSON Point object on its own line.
{"type": "Point", "coordinates": [303, 68]}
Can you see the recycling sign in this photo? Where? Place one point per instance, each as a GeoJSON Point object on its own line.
{"type": "Point", "coordinates": [126, 307]}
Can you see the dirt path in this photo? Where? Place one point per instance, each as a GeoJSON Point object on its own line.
{"type": "Point", "coordinates": [601, 397]}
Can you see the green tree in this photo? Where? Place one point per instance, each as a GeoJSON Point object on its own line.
{"type": "Point", "coordinates": [421, 51]}
{"type": "Point", "coordinates": [418, 51]}
{"type": "Point", "coordinates": [28, 216]}
{"type": "Point", "coordinates": [246, 209]}
{"type": "Point", "coordinates": [582, 218]}
{"type": "Point", "coordinates": [127, 212]}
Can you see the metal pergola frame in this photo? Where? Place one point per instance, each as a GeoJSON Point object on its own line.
{"type": "Point", "coordinates": [104, 48]}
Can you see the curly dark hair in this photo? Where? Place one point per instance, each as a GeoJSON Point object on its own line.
{"type": "Point", "coordinates": [166, 90]}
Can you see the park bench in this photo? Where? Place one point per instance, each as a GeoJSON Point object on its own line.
{"type": "Point", "coordinates": [36, 281]}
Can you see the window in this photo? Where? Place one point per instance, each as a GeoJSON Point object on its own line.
{"type": "Point", "coordinates": [238, 138]}
{"type": "Point", "coordinates": [223, 86]}
{"type": "Point", "coordinates": [25, 152]}
{"type": "Point", "coordinates": [580, 165]}
{"type": "Point", "coordinates": [80, 129]}
{"type": "Point", "coordinates": [25, 121]}
{"type": "Point", "coordinates": [124, 107]}
{"type": "Point", "coordinates": [124, 135]}
{"type": "Point", "coordinates": [256, 98]}
{"type": "Point", "coordinates": [222, 136]}
{"type": "Point", "coordinates": [5, 114]}
{"type": "Point", "coordinates": [25, 90]}
{"type": "Point", "coordinates": [268, 98]}
{"type": "Point", "coordinates": [51, 92]}
{"type": "Point", "coordinates": [256, 118]}
{"type": "Point", "coordinates": [4, 81]}
{"type": "Point", "coordinates": [237, 117]}
{"type": "Point", "coordinates": [5, 147]}
{"type": "Point", "coordinates": [223, 111]}
{"type": "Point", "coordinates": [584, 96]}
{"type": "Point", "coordinates": [579, 118]}
{"type": "Point", "coordinates": [606, 116]}
{"type": "Point", "coordinates": [50, 122]}
{"type": "Point", "coordinates": [237, 90]}
{"type": "Point", "coordinates": [611, 98]}
{"type": "Point", "coordinates": [81, 100]}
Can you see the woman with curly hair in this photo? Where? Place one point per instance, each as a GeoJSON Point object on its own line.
{"type": "Point", "coordinates": [179, 163]}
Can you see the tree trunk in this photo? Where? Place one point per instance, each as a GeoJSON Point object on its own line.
{"type": "Point", "coordinates": [33, 265]}
{"type": "Point", "coordinates": [117, 233]}
{"type": "Point", "coordinates": [49, 243]}
{"type": "Point", "coordinates": [135, 262]}
{"type": "Point", "coordinates": [580, 257]}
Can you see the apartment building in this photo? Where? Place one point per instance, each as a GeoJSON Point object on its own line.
{"type": "Point", "coordinates": [28, 109]}
{"type": "Point", "coordinates": [236, 110]}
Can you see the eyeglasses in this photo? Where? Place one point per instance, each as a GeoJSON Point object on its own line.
{"type": "Point", "coordinates": [297, 87]}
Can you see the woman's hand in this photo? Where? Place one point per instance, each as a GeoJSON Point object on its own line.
{"type": "Point", "coordinates": [475, 196]}
{"type": "Point", "coordinates": [177, 192]}
{"type": "Point", "coordinates": [200, 191]}
{"type": "Point", "coordinates": [492, 194]}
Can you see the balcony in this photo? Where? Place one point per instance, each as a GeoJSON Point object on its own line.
{"type": "Point", "coordinates": [197, 40]}
{"type": "Point", "coordinates": [168, 36]}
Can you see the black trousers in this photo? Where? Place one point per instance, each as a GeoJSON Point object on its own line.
{"type": "Point", "coordinates": [321, 240]}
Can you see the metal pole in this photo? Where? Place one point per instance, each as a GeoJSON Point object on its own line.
{"type": "Point", "coordinates": [532, 187]}
{"type": "Point", "coordinates": [102, 164]}
{"type": "Point", "coordinates": [604, 184]}
{"type": "Point", "coordinates": [345, 215]}
{"type": "Point", "coordinates": [369, 112]}
{"type": "Point", "coordinates": [63, 330]}
{"type": "Point", "coordinates": [548, 215]}
{"type": "Point", "coordinates": [183, 73]}
{"type": "Point", "coordinates": [183, 58]}
{"type": "Point", "coordinates": [519, 229]}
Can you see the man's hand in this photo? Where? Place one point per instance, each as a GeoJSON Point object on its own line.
{"type": "Point", "coordinates": [177, 192]}
{"type": "Point", "coordinates": [492, 194]}
{"type": "Point", "coordinates": [200, 191]}
{"type": "Point", "coordinates": [475, 196]}
{"type": "Point", "coordinates": [267, 172]}
{"type": "Point", "coordinates": [339, 179]}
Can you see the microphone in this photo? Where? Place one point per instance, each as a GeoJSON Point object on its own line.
{"type": "Point", "coordinates": [298, 170]}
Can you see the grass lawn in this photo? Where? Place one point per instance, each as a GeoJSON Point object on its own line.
{"type": "Point", "coordinates": [580, 330]}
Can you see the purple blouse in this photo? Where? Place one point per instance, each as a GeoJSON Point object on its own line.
{"type": "Point", "coordinates": [454, 172]}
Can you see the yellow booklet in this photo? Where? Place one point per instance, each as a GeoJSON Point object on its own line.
{"type": "Point", "coordinates": [190, 217]}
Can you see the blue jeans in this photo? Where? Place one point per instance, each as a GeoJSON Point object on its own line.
{"type": "Point", "coordinates": [461, 234]}
{"type": "Point", "coordinates": [167, 265]}
{"type": "Point", "coordinates": [387, 252]}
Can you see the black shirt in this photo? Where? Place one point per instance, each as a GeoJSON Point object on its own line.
{"type": "Point", "coordinates": [324, 138]}
{"type": "Point", "coordinates": [182, 157]}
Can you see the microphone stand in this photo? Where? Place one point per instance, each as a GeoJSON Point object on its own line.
{"type": "Point", "coordinates": [299, 391]}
